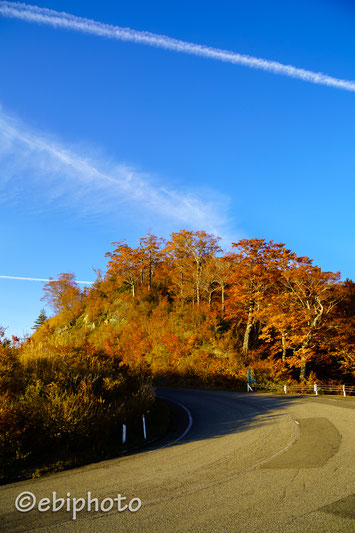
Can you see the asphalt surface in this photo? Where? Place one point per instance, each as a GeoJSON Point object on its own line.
{"type": "Point", "coordinates": [250, 462]}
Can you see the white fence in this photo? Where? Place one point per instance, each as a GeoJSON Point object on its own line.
{"type": "Point", "coordinates": [316, 389]}
{"type": "Point", "coordinates": [344, 390]}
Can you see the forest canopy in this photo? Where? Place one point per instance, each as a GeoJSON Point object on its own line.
{"type": "Point", "coordinates": [184, 307]}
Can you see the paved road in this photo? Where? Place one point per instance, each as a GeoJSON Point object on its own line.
{"type": "Point", "coordinates": [261, 463]}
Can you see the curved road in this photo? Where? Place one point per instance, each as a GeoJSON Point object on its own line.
{"type": "Point", "coordinates": [250, 462]}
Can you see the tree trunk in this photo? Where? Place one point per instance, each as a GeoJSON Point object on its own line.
{"type": "Point", "coordinates": [223, 306]}
{"type": "Point", "coordinates": [150, 277]}
{"type": "Point", "coordinates": [303, 371]}
{"type": "Point", "coordinates": [283, 347]}
{"type": "Point", "coordinates": [150, 268]}
{"type": "Point", "coordinates": [248, 330]}
{"type": "Point", "coordinates": [198, 293]}
{"type": "Point", "coordinates": [198, 281]}
{"type": "Point", "coordinates": [307, 342]}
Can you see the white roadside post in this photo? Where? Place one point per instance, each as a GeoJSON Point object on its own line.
{"type": "Point", "coordinates": [250, 378]}
{"type": "Point", "coordinates": [344, 390]}
{"type": "Point", "coordinates": [144, 428]}
{"type": "Point", "coordinates": [124, 433]}
{"type": "Point", "coordinates": [285, 389]}
{"type": "Point", "coordinates": [316, 389]}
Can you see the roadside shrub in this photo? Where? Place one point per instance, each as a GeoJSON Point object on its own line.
{"type": "Point", "coordinates": [65, 408]}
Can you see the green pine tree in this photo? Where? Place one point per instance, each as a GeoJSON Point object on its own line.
{"type": "Point", "coordinates": [42, 317]}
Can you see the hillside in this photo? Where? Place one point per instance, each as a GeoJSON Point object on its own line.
{"type": "Point", "coordinates": [185, 310]}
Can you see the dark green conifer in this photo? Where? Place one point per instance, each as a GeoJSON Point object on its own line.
{"type": "Point", "coordinates": [42, 317]}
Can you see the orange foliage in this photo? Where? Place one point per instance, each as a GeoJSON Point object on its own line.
{"type": "Point", "coordinates": [188, 310]}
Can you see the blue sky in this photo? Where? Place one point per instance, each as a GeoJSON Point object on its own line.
{"type": "Point", "coordinates": [102, 140]}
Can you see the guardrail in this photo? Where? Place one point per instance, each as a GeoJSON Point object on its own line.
{"type": "Point", "coordinates": [316, 389]}
{"type": "Point", "coordinates": [344, 390]}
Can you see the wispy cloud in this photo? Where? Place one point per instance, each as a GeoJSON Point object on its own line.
{"type": "Point", "coordinates": [65, 20]}
{"type": "Point", "coordinates": [41, 279]}
{"type": "Point", "coordinates": [59, 174]}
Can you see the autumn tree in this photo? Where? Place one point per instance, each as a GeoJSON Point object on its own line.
{"type": "Point", "coordinates": [3, 340]}
{"type": "Point", "coordinates": [208, 281]}
{"type": "Point", "coordinates": [62, 294]}
{"type": "Point", "coordinates": [126, 264]}
{"type": "Point", "coordinates": [190, 250]}
{"type": "Point", "coordinates": [256, 266]}
{"type": "Point", "coordinates": [311, 298]}
{"type": "Point", "coordinates": [150, 247]}
{"type": "Point", "coordinates": [298, 310]}
{"type": "Point", "coordinates": [216, 274]}
{"type": "Point", "coordinates": [341, 336]}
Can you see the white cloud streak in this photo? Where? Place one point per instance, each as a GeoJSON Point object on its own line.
{"type": "Point", "coordinates": [65, 20]}
{"type": "Point", "coordinates": [40, 168]}
{"type": "Point", "coordinates": [30, 158]}
{"type": "Point", "coordinates": [41, 279]}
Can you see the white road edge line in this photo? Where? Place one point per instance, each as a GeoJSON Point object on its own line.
{"type": "Point", "coordinates": [186, 430]}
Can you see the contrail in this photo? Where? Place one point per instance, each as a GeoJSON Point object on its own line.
{"type": "Point", "coordinates": [68, 21]}
{"type": "Point", "coordinates": [41, 279]}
